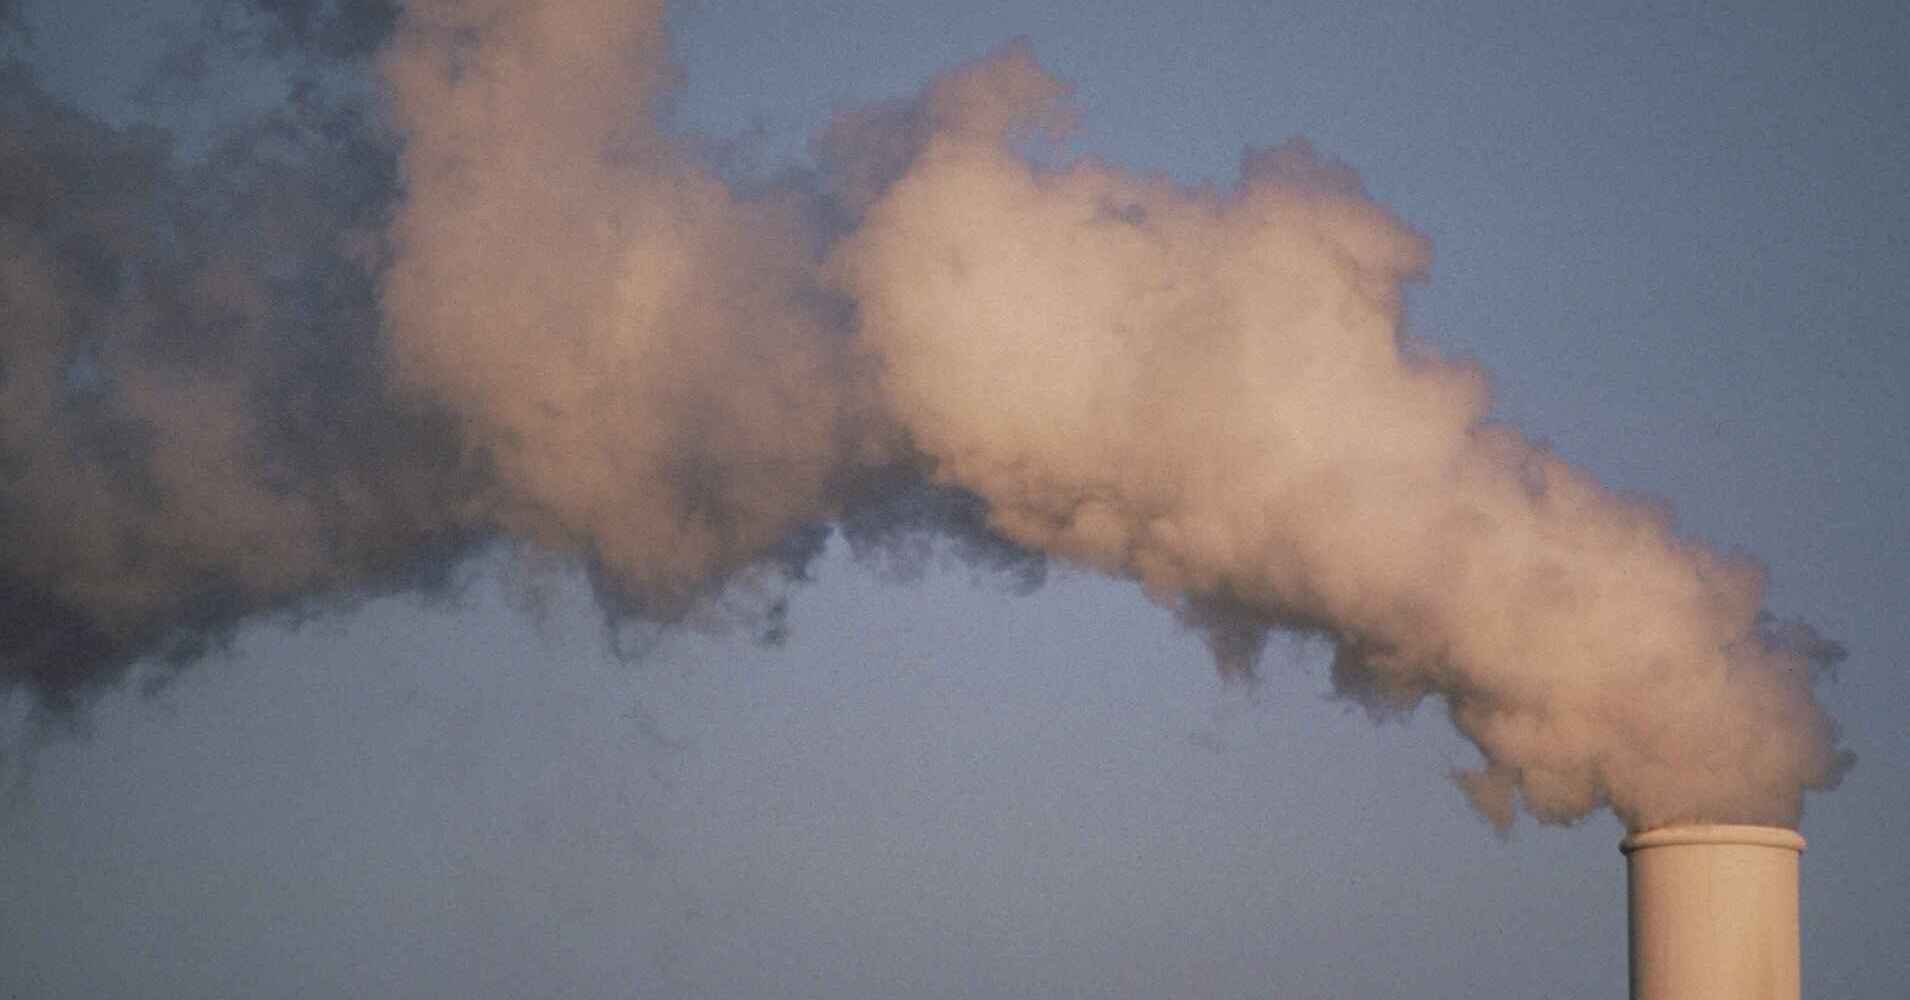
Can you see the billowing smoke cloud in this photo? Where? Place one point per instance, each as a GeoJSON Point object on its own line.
{"type": "Point", "coordinates": [550, 321]}
{"type": "Point", "coordinates": [1209, 392]}
{"type": "Point", "coordinates": [646, 358]}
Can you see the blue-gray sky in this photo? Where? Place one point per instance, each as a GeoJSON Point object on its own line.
{"type": "Point", "coordinates": [1673, 236]}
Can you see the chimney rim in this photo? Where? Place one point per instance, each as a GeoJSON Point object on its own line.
{"type": "Point", "coordinates": [1713, 834]}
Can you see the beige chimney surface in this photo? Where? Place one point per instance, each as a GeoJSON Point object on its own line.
{"type": "Point", "coordinates": [1714, 913]}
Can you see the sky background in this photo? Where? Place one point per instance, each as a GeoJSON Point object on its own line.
{"type": "Point", "coordinates": [1675, 235]}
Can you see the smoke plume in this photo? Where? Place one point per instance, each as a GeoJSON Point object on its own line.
{"type": "Point", "coordinates": [1208, 392]}
{"type": "Point", "coordinates": [282, 376]}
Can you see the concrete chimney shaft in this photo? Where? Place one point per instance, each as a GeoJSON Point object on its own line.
{"type": "Point", "coordinates": [1714, 913]}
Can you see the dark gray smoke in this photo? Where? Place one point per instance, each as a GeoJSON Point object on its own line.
{"type": "Point", "coordinates": [193, 421]}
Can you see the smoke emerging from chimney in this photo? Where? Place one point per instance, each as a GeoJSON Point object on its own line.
{"type": "Point", "coordinates": [550, 322]}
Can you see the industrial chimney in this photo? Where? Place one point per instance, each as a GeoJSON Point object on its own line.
{"type": "Point", "coordinates": [1714, 913]}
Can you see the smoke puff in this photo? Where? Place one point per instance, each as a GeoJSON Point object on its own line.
{"type": "Point", "coordinates": [645, 357]}
{"type": "Point", "coordinates": [1208, 391]}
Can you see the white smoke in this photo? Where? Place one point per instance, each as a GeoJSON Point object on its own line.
{"type": "Point", "coordinates": [1209, 392]}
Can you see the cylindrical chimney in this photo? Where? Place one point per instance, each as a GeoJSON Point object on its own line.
{"type": "Point", "coordinates": [1714, 913]}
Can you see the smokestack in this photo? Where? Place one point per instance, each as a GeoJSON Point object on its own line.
{"type": "Point", "coordinates": [1714, 913]}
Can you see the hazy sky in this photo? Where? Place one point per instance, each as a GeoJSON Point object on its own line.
{"type": "Point", "coordinates": [1673, 234]}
